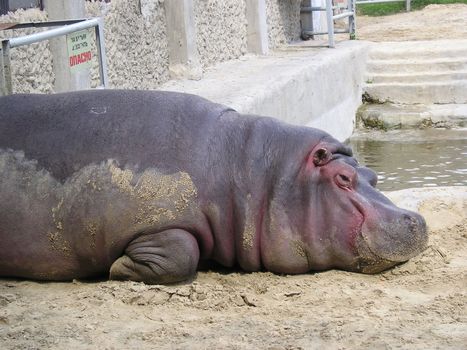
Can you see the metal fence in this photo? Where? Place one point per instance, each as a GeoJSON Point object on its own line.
{"type": "Point", "coordinates": [64, 28]}
{"type": "Point", "coordinates": [348, 12]}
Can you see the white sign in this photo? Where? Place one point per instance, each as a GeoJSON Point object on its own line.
{"type": "Point", "coordinates": [79, 50]}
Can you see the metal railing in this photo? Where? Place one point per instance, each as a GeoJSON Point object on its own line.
{"type": "Point", "coordinates": [349, 13]}
{"type": "Point", "coordinates": [64, 28]}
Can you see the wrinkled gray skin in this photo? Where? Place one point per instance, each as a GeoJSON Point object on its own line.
{"type": "Point", "coordinates": [146, 186]}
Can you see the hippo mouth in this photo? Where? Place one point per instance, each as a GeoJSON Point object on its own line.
{"type": "Point", "coordinates": [388, 236]}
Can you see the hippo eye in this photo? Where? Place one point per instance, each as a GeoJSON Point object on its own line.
{"type": "Point", "coordinates": [321, 157]}
{"type": "Point", "coordinates": [343, 180]}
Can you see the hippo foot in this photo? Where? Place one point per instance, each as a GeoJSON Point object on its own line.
{"type": "Point", "coordinates": [165, 257]}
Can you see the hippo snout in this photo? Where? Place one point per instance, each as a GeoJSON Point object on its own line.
{"type": "Point", "coordinates": [391, 237]}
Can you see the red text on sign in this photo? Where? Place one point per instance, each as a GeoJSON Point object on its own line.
{"type": "Point", "coordinates": [80, 58]}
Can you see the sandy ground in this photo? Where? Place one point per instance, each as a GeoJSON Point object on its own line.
{"type": "Point", "coordinates": [432, 23]}
{"type": "Point", "coordinates": [418, 305]}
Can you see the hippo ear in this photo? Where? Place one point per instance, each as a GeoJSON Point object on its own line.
{"type": "Point", "coordinates": [318, 157]}
{"type": "Point", "coordinates": [321, 156]}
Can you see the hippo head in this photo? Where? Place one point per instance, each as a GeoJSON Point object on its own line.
{"type": "Point", "coordinates": [335, 218]}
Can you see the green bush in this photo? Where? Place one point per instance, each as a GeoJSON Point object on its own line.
{"type": "Point", "coordinates": [389, 8]}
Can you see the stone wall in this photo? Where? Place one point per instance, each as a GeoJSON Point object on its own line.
{"type": "Point", "coordinates": [283, 19]}
{"type": "Point", "coordinates": [136, 40]}
{"type": "Point", "coordinates": [31, 65]}
{"type": "Point", "coordinates": [221, 28]}
{"type": "Point", "coordinates": [135, 43]}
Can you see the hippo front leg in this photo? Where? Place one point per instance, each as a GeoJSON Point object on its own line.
{"type": "Point", "coordinates": [164, 257]}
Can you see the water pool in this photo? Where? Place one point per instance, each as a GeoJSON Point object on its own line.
{"type": "Point", "coordinates": [413, 158]}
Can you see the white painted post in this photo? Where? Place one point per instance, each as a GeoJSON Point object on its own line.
{"type": "Point", "coordinates": [257, 29]}
{"type": "Point", "coordinates": [319, 21]}
{"type": "Point", "coordinates": [181, 35]}
{"type": "Point", "coordinates": [330, 23]}
{"type": "Point", "coordinates": [64, 79]}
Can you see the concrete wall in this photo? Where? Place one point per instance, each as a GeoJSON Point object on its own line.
{"type": "Point", "coordinates": [135, 43]}
{"type": "Point", "coordinates": [321, 88]}
{"type": "Point", "coordinates": [283, 19]}
{"type": "Point", "coordinates": [221, 30]}
{"type": "Point", "coordinates": [31, 65]}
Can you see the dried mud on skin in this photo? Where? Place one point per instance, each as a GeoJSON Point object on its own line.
{"type": "Point", "coordinates": [419, 305]}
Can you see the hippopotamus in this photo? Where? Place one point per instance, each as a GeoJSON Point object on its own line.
{"type": "Point", "coordinates": [149, 185]}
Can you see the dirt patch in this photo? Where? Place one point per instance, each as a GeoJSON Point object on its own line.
{"type": "Point", "coordinates": [432, 23]}
{"type": "Point", "coordinates": [417, 305]}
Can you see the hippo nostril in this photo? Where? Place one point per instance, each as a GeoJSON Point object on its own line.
{"type": "Point", "coordinates": [413, 223]}
{"type": "Point", "coordinates": [399, 237]}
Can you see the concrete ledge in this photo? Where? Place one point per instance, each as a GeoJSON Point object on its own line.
{"type": "Point", "coordinates": [418, 77]}
{"type": "Point", "coordinates": [427, 92]}
{"type": "Point", "coordinates": [302, 85]}
{"type": "Point", "coordinates": [422, 65]}
{"type": "Point", "coordinates": [408, 50]}
{"type": "Point", "coordinates": [389, 116]}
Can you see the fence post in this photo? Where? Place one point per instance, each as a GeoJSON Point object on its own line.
{"type": "Point", "coordinates": [330, 23]}
{"type": "Point", "coordinates": [181, 36]}
{"type": "Point", "coordinates": [99, 30]}
{"type": "Point", "coordinates": [6, 87]}
{"type": "Point", "coordinates": [257, 29]}
{"type": "Point", "coordinates": [352, 7]}
{"type": "Point", "coordinates": [64, 79]}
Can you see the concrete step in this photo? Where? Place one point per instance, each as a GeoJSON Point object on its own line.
{"type": "Point", "coordinates": [416, 65]}
{"type": "Point", "coordinates": [419, 77]}
{"type": "Point", "coordinates": [419, 49]}
{"type": "Point", "coordinates": [413, 93]}
{"type": "Point", "coordinates": [388, 116]}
